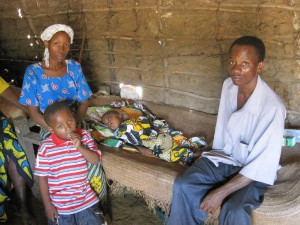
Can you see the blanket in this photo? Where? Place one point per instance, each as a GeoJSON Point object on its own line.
{"type": "Point", "coordinates": [143, 128]}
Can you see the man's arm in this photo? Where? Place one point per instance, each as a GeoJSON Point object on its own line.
{"type": "Point", "coordinates": [213, 200]}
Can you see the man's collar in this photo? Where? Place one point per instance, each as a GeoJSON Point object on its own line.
{"type": "Point", "coordinates": [253, 103]}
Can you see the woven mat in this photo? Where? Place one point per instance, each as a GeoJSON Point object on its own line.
{"type": "Point", "coordinates": [281, 204]}
{"type": "Point", "coordinates": [153, 179]}
{"type": "Point", "coordinates": [149, 177]}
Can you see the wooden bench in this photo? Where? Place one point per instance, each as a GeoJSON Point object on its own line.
{"type": "Point", "coordinates": [153, 178]}
{"type": "Point", "coordinates": [27, 139]}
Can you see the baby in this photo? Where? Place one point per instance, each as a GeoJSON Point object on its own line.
{"type": "Point", "coordinates": [155, 135]}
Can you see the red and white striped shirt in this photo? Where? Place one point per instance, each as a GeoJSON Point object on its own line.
{"type": "Point", "coordinates": [67, 172]}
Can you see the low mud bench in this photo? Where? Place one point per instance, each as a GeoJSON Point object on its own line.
{"type": "Point", "coordinates": [153, 178]}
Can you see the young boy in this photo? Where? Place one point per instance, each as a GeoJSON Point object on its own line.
{"type": "Point", "coordinates": [155, 135]}
{"type": "Point", "coordinates": [61, 168]}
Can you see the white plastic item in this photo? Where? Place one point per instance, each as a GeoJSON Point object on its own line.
{"type": "Point", "coordinates": [292, 132]}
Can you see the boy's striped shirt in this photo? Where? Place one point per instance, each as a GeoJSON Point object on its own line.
{"type": "Point", "coordinates": [67, 172]}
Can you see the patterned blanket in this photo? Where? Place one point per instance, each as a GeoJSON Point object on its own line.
{"type": "Point", "coordinates": [143, 128]}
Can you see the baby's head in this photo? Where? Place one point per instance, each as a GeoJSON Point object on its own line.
{"type": "Point", "coordinates": [60, 120]}
{"type": "Point", "coordinates": [112, 119]}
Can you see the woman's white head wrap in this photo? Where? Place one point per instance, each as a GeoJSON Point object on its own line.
{"type": "Point", "coordinates": [50, 31]}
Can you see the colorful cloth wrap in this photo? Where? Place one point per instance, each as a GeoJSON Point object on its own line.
{"type": "Point", "coordinates": [10, 149]}
{"type": "Point", "coordinates": [143, 128]}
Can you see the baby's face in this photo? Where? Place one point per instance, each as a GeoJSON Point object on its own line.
{"type": "Point", "coordinates": [111, 120]}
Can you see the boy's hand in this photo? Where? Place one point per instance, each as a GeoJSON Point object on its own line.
{"type": "Point", "coordinates": [75, 138]}
{"type": "Point", "coordinates": [51, 212]}
{"type": "Point", "coordinates": [90, 155]}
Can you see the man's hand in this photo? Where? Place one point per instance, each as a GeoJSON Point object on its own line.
{"type": "Point", "coordinates": [212, 201]}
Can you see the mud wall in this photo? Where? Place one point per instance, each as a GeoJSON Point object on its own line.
{"type": "Point", "coordinates": [175, 49]}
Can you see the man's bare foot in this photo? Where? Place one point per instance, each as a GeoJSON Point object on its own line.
{"type": "Point", "coordinates": [27, 217]}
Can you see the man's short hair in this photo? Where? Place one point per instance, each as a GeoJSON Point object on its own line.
{"type": "Point", "coordinates": [254, 42]}
{"type": "Point", "coordinates": [54, 108]}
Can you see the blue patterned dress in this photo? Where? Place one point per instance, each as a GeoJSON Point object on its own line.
{"type": "Point", "coordinates": [40, 90]}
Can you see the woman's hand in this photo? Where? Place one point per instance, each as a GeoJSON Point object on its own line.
{"type": "Point", "coordinates": [37, 116]}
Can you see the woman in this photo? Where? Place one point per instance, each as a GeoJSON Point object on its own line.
{"type": "Point", "coordinates": [55, 78]}
{"type": "Point", "coordinates": [14, 166]}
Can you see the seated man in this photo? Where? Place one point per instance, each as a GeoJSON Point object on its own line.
{"type": "Point", "coordinates": [246, 147]}
{"type": "Point", "coordinates": [14, 166]}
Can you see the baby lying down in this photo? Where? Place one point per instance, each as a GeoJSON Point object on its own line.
{"type": "Point", "coordinates": [153, 137]}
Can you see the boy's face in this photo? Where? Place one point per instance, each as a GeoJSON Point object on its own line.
{"type": "Point", "coordinates": [62, 123]}
{"type": "Point", "coordinates": [111, 120]}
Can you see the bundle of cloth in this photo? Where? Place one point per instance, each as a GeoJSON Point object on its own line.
{"type": "Point", "coordinates": [140, 127]}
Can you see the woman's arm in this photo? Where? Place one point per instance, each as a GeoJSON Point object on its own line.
{"type": "Point", "coordinates": [83, 106]}
{"type": "Point", "coordinates": [37, 116]}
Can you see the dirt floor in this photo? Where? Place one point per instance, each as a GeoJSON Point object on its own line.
{"type": "Point", "coordinates": [127, 210]}
{"type": "Point", "coordinates": [14, 217]}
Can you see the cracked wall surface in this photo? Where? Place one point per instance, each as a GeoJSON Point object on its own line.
{"type": "Point", "coordinates": [175, 50]}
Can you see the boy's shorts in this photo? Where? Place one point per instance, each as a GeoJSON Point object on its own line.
{"type": "Point", "coordinates": [89, 216]}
